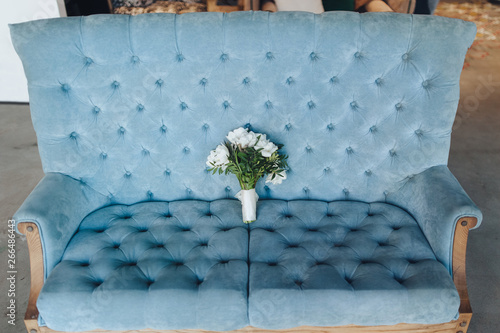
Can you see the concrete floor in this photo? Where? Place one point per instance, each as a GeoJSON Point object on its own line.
{"type": "Point", "coordinates": [474, 159]}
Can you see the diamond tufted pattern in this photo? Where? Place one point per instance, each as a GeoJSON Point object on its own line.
{"type": "Point", "coordinates": [371, 98]}
{"type": "Point", "coordinates": [152, 265]}
{"type": "Point", "coordinates": [341, 263]}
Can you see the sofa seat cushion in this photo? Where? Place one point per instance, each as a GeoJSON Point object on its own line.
{"type": "Point", "coordinates": [339, 263]}
{"type": "Point", "coordinates": [155, 265]}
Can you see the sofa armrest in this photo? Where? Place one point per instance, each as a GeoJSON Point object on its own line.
{"type": "Point", "coordinates": [57, 205]}
{"type": "Point", "coordinates": [437, 201]}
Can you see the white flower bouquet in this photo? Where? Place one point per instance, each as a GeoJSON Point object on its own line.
{"type": "Point", "coordinates": [250, 156]}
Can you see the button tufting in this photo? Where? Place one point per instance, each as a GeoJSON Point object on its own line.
{"type": "Point", "coordinates": [290, 81]}
{"type": "Point", "coordinates": [115, 84]}
{"type": "Point", "coordinates": [357, 55]}
{"type": "Point", "coordinates": [373, 129]}
{"type": "Point", "coordinates": [203, 82]}
{"type": "Point", "coordinates": [135, 59]}
{"type": "Point", "coordinates": [425, 84]}
{"type": "Point", "coordinates": [399, 106]}
{"type": "Point", "coordinates": [180, 57]}
{"type": "Point", "coordinates": [228, 189]}
{"type": "Point", "coordinates": [346, 191]}
{"type": "Point", "coordinates": [163, 129]}
{"type": "Point", "coordinates": [159, 82]}
{"type": "Point", "coordinates": [223, 262]}
{"type": "Point", "coordinates": [121, 130]}
{"type": "Point", "coordinates": [104, 155]}
{"type": "Point", "coordinates": [368, 172]}
{"type": "Point", "coordinates": [226, 105]}
{"type": "Point", "coordinates": [308, 149]}
{"type": "Point", "coordinates": [392, 152]}
{"type": "Point", "coordinates": [183, 106]}
{"type": "Point", "coordinates": [73, 135]}
{"type": "Point", "coordinates": [266, 188]}
{"type": "Point", "coordinates": [311, 105]}
{"type": "Point", "coordinates": [288, 126]}
{"type": "Point", "coordinates": [128, 174]}
{"type": "Point", "coordinates": [88, 61]}
{"type": "Point", "coordinates": [305, 189]}
{"type": "Point", "coordinates": [269, 56]}
{"type": "Point", "coordinates": [272, 264]}
{"type": "Point", "coordinates": [330, 127]}
{"type": "Point", "coordinates": [334, 80]}
{"type": "Point", "coordinates": [269, 104]}
{"type": "Point", "coordinates": [378, 81]}
{"type": "Point", "coordinates": [419, 132]}
{"type": "Point", "coordinates": [65, 87]}
{"type": "Point", "coordinates": [85, 264]}
{"type": "Point", "coordinates": [405, 56]}
{"type": "Point", "coordinates": [224, 57]}
{"type": "Point", "coordinates": [189, 191]}
{"type": "Point", "coordinates": [140, 107]}
{"type": "Point", "coordinates": [149, 195]}
{"type": "Point", "coordinates": [299, 283]}
{"type": "Point", "coordinates": [246, 81]}
{"type": "Point", "coordinates": [353, 104]}
{"type": "Point", "coordinates": [327, 170]}
{"type": "Point", "coordinates": [167, 172]}
{"type": "Point", "coordinates": [313, 56]}
{"type": "Point", "coordinates": [116, 246]}
{"type": "Point", "coordinates": [96, 110]}
{"type": "Point", "coordinates": [205, 127]}
{"type": "Point", "coordinates": [349, 150]}
{"type": "Point", "coordinates": [186, 150]}
{"type": "Point", "coordinates": [145, 152]}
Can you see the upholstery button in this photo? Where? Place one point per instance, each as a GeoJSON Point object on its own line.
{"type": "Point", "coordinates": [116, 246]}
{"type": "Point", "coordinates": [189, 191]}
{"type": "Point", "coordinates": [308, 149]}
{"type": "Point", "coordinates": [115, 84]}
{"type": "Point", "coordinates": [149, 283]}
{"type": "Point", "coordinates": [354, 104]}
{"type": "Point", "coordinates": [225, 229]}
{"type": "Point", "coordinates": [167, 172]}
{"type": "Point", "coordinates": [135, 59]}
{"type": "Point", "coordinates": [226, 105]}
{"type": "Point", "coordinates": [269, 56]}
{"type": "Point", "coordinates": [126, 217]}
{"type": "Point", "coordinates": [248, 126]}
{"type": "Point", "coordinates": [96, 110]}
{"type": "Point", "coordinates": [85, 264]}
{"type": "Point", "coordinates": [159, 82]}
{"type": "Point", "coordinates": [203, 82]}
{"type": "Point", "coordinates": [121, 130]}
{"type": "Point", "coordinates": [299, 283]}
{"type": "Point", "coordinates": [346, 191]}
{"type": "Point", "coordinates": [228, 189]}
{"type": "Point", "coordinates": [349, 150]}
{"type": "Point", "coordinates": [392, 152]}
{"type": "Point", "coordinates": [204, 244]}
{"type": "Point", "coordinates": [199, 282]}
{"type": "Point", "coordinates": [327, 169]}
{"type": "Point", "coordinates": [65, 87]}
{"type": "Point", "coordinates": [419, 132]}
{"type": "Point", "coordinates": [305, 189]}
{"type": "Point", "coordinates": [269, 104]}
{"type": "Point", "coordinates": [180, 57]}
{"type": "Point", "coordinates": [97, 283]}
{"type": "Point", "coordinates": [208, 214]}
{"type": "Point", "coordinates": [128, 174]}
{"type": "Point", "coordinates": [149, 194]}
{"type": "Point", "coordinates": [399, 106]}
{"type": "Point", "coordinates": [73, 135]}
{"type": "Point", "coordinates": [140, 107]}
{"type": "Point", "coordinates": [357, 55]}
{"type": "Point", "coordinates": [312, 230]}
{"type": "Point", "coordinates": [205, 127]}
{"type": "Point", "coordinates": [246, 81]}
{"type": "Point", "coordinates": [290, 81]}
{"type": "Point", "coordinates": [223, 262]}
{"type": "Point", "coordinates": [313, 56]}
{"type": "Point", "coordinates": [163, 128]}
{"type": "Point", "coordinates": [378, 81]}
{"type": "Point", "coordinates": [142, 230]}
{"type": "Point", "coordinates": [288, 216]}
{"type": "Point", "coordinates": [330, 127]}
{"type": "Point", "coordinates": [224, 57]}
{"type": "Point", "coordinates": [186, 150]}
{"type": "Point", "coordinates": [311, 105]}
{"type": "Point", "coordinates": [368, 172]}
{"type": "Point", "coordinates": [183, 106]}
{"type": "Point", "coordinates": [288, 126]}
{"type": "Point", "coordinates": [104, 155]}
{"type": "Point", "coordinates": [145, 152]}
{"type": "Point", "coordinates": [334, 80]}
{"type": "Point", "coordinates": [405, 56]}
{"type": "Point", "coordinates": [425, 84]}
{"type": "Point", "coordinates": [272, 264]}
{"type": "Point", "coordinates": [373, 129]}
{"type": "Point", "coordinates": [266, 188]}
{"type": "Point", "coordinates": [88, 61]}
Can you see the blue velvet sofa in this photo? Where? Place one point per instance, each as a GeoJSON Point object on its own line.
{"type": "Point", "coordinates": [129, 231]}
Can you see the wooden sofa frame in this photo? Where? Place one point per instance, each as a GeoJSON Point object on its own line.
{"type": "Point", "coordinates": [456, 326]}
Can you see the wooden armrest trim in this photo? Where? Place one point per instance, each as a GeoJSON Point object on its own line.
{"type": "Point", "coordinates": [32, 233]}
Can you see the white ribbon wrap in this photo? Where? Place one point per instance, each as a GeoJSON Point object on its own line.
{"type": "Point", "coordinates": [248, 200]}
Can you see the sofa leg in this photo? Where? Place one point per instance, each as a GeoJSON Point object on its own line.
{"type": "Point", "coordinates": [459, 274]}
{"type": "Point", "coordinates": [37, 275]}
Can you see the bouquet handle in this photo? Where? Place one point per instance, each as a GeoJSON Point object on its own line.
{"type": "Point", "coordinates": [248, 200]}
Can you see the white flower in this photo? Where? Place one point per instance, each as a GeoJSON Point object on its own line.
{"type": "Point", "coordinates": [278, 178]}
{"type": "Point", "coordinates": [218, 157]}
{"type": "Point", "coordinates": [242, 137]}
{"type": "Point", "coordinates": [268, 148]}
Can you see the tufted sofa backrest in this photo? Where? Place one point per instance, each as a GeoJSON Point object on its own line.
{"type": "Point", "coordinates": [131, 106]}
